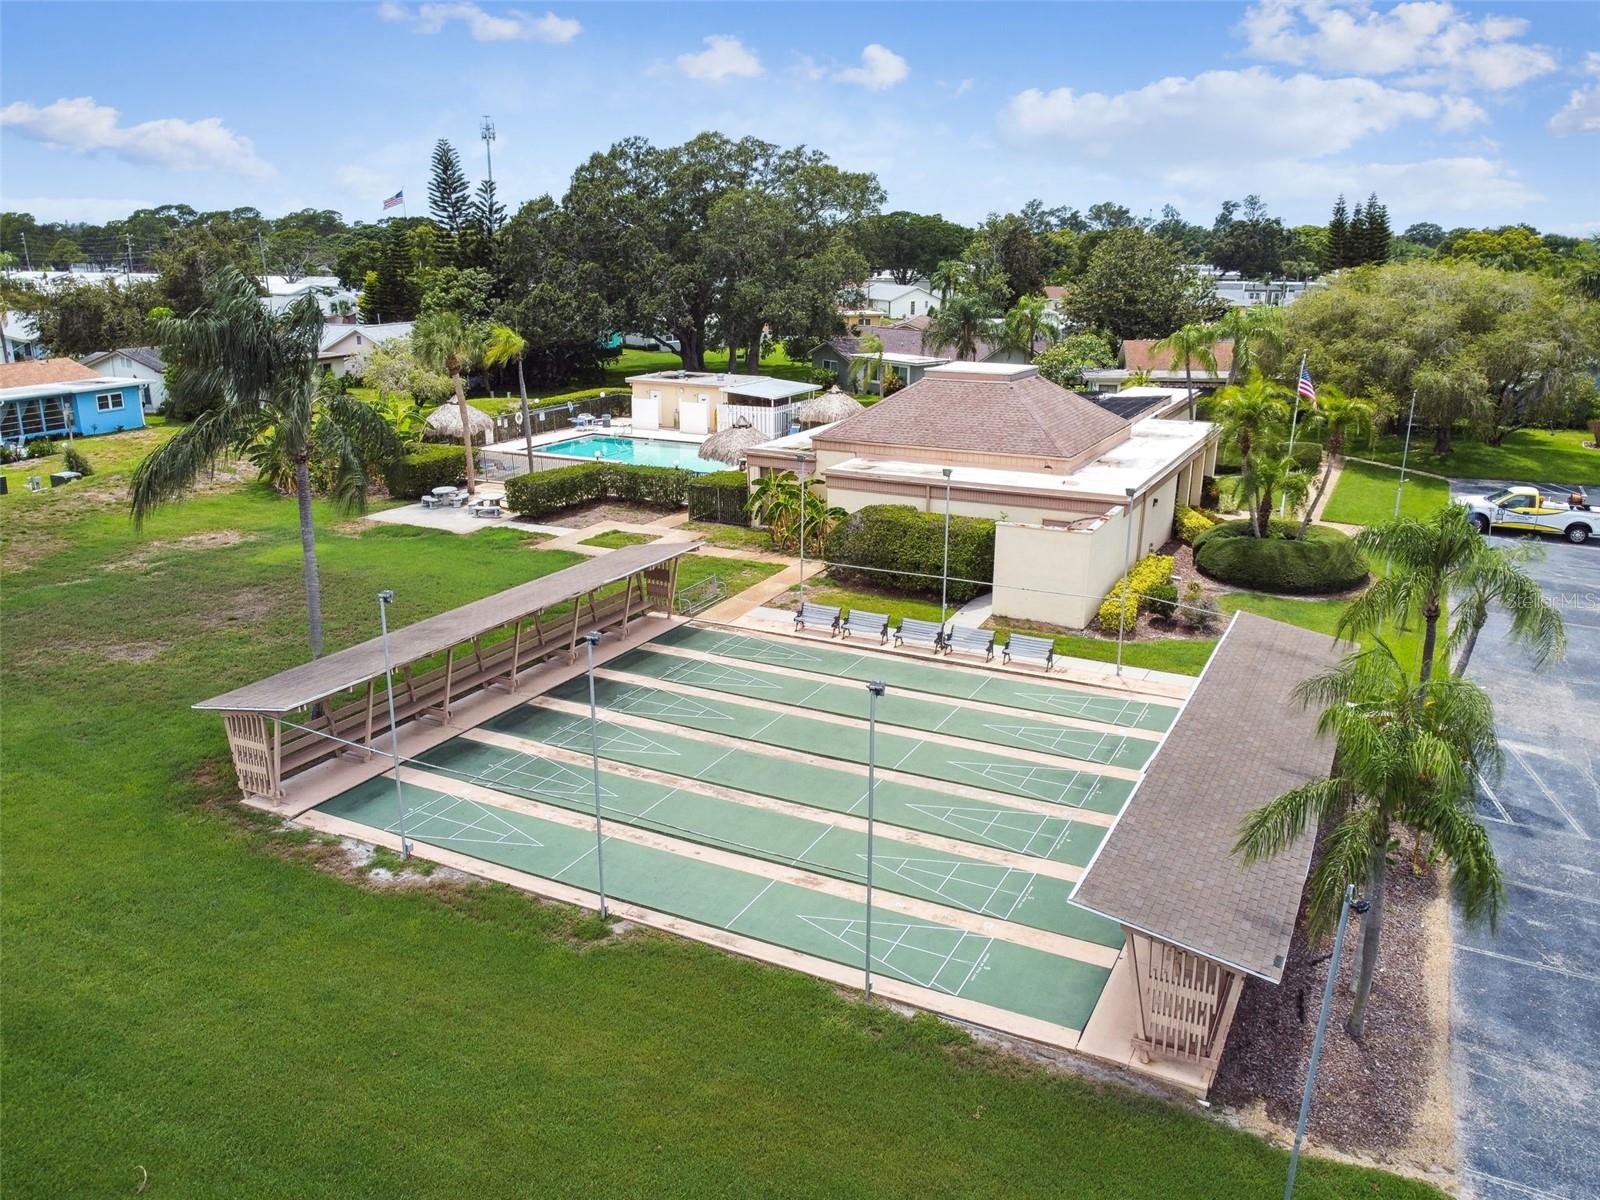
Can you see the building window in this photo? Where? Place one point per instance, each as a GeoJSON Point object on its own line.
{"type": "Point", "coordinates": [108, 401]}
{"type": "Point", "coordinates": [913, 308]}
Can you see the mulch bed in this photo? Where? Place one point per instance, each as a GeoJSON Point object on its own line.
{"type": "Point", "coordinates": [593, 514]}
{"type": "Point", "coordinates": [1369, 1093]}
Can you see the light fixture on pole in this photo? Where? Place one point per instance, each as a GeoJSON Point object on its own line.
{"type": "Point", "coordinates": [1322, 1029]}
{"type": "Point", "coordinates": [1127, 566]}
{"type": "Point", "coordinates": [875, 689]}
{"type": "Point", "coordinates": [800, 479]}
{"type": "Point", "coordinates": [944, 580]}
{"type": "Point", "coordinates": [386, 598]}
{"type": "Point", "coordinates": [590, 640]}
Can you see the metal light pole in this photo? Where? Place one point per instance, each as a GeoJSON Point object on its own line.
{"type": "Point", "coordinates": [386, 598]}
{"type": "Point", "coordinates": [874, 690]}
{"type": "Point", "coordinates": [1127, 554]}
{"type": "Point", "coordinates": [800, 478]}
{"type": "Point", "coordinates": [592, 639]}
{"type": "Point", "coordinates": [944, 580]}
{"type": "Point", "coordinates": [1411, 418]}
{"type": "Point", "coordinates": [1322, 1029]}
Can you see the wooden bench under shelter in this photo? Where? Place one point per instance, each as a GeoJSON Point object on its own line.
{"type": "Point", "coordinates": [336, 704]}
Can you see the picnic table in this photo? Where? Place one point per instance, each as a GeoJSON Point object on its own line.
{"type": "Point", "coordinates": [450, 497]}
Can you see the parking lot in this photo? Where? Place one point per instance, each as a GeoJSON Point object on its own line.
{"type": "Point", "coordinates": [1525, 1008]}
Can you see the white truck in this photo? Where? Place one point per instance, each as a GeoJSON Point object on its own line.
{"type": "Point", "coordinates": [1522, 508]}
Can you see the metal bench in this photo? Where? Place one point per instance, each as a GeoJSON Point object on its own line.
{"type": "Point", "coordinates": [818, 616]}
{"type": "Point", "coordinates": [966, 640]}
{"type": "Point", "coordinates": [1035, 651]}
{"type": "Point", "coordinates": [919, 633]}
{"type": "Point", "coordinates": [861, 621]}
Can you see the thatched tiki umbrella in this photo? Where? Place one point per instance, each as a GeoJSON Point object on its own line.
{"type": "Point", "coordinates": [729, 445]}
{"type": "Point", "coordinates": [833, 405]}
{"type": "Point", "coordinates": [444, 424]}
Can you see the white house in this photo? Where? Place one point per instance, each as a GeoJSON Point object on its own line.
{"type": "Point", "coordinates": [344, 348]}
{"type": "Point", "coordinates": [19, 338]}
{"type": "Point", "coordinates": [897, 301]}
{"type": "Point", "coordinates": [136, 362]}
{"type": "Point", "coordinates": [1247, 293]}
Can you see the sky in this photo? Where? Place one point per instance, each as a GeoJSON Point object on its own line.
{"type": "Point", "coordinates": [1462, 114]}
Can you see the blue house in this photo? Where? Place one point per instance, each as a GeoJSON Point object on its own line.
{"type": "Point", "coordinates": [58, 396]}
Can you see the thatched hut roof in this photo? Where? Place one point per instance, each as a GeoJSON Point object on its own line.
{"type": "Point", "coordinates": [731, 444]}
{"type": "Point", "coordinates": [444, 423]}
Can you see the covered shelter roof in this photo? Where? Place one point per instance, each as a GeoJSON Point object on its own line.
{"type": "Point", "coordinates": [304, 685]}
{"type": "Point", "coordinates": [1168, 869]}
{"type": "Point", "coordinates": [769, 388]}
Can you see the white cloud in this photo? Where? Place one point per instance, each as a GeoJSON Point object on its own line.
{"type": "Point", "coordinates": [808, 69]}
{"type": "Point", "coordinates": [1425, 41]}
{"type": "Point", "coordinates": [513, 26]}
{"type": "Point", "coordinates": [96, 210]}
{"type": "Point", "coordinates": [1591, 63]}
{"type": "Point", "coordinates": [880, 68]}
{"type": "Point", "coordinates": [725, 57]}
{"type": "Point", "coordinates": [1241, 116]}
{"type": "Point", "coordinates": [1581, 114]}
{"type": "Point", "coordinates": [85, 127]}
{"type": "Point", "coordinates": [963, 87]}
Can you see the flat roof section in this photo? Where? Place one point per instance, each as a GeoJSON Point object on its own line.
{"type": "Point", "coordinates": [1168, 867]}
{"type": "Point", "coordinates": [334, 673]}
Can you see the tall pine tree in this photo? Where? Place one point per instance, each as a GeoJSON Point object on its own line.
{"type": "Point", "coordinates": [1378, 236]}
{"type": "Point", "coordinates": [1355, 244]}
{"type": "Point", "coordinates": [448, 197]}
{"type": "Point", "coordinates": [390, 293]}
{"type": "Point", "coordinates": [1338, 237]}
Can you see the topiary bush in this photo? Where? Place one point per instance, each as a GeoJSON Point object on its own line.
{"type": "Point", "coordinates": [720, 497]}
{"type": "Point", "coordinates": [1190, 523]}
{"type": "Point", "coordinates": [540, 492]}
{"type": "Point", "coordinates": [883, 540]}
{"type": "Point", "coordinates": [421, 470]}
{"type": "Point", "coordinates": [1121, 606]}
{"type": "Point", "coordinates": [77, 461]}
{"type": "Point", "coordinates": [1325, 560]}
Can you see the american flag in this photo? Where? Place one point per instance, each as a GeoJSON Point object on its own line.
{"type": "Point", "coordinates": [1306, 388]}
{"type": "Point", "coordinates": [396, 200]}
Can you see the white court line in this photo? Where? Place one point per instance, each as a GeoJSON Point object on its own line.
{"type": "Point", "coordinates": [753, 899]}
{"type": "Point", "coordinates": [1528, 962]}
{"type": "Point", "coordinates": [1549, 795]}
{"type": "Point", "coordinates": [973, 970]}
{"type": "Point", "coordinates": [933, 982]}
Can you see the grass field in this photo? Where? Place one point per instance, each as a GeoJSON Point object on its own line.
{"type": "Point", "coordinates": [193, 1011]}
{"type": "Point", "coordinates": [1365, 494]}
{"type": "Point", "coordinates": [612, 539]}
{"type": "Point", "coordinates": [1528, 455]}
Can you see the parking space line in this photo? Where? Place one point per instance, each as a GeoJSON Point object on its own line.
{"type": "Point", "coordinates": [1549, 795]}
{"type": "Point", "coordinates": [1528, 962]}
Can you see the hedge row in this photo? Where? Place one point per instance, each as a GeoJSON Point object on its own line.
{"type": "Point", "coordinates": [542, 492]}
{"type": "Point", "coordinates": [721, 497]}
{"type": "Point", "coordinates": [1121, 606]}
{"type": "Point", "coordinates": [419, 472]}
{"type": "Point", "coordinates": [1190, 523]}
{"type": "Point", "coordinates": [901, 549]}
{"type": "Point", "coordinates": [1325, 560]}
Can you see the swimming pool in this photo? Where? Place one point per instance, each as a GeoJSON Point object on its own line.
{"type": "Point", "coordinates": [644, 452]}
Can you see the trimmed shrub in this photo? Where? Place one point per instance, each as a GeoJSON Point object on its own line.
{"type": "Point", "coordinates": [421, 470]}
{"type": "Point", "coordinates": [1199, 611]}
{"type": "Point", "coordinates": [1162, 599]}
{"type": "Point", "coordinates": [1122, 604]}
{"type": "Point", "coordinates": [720, 497]}
{"type": "Point", "coordinates": [540, 492]}
{"type": "Point", "coordinates": [77, 461]}
{"type": "Point", "coordinates": [1209, 496]}
{"type": "Point", "coordinates": [1190, 523]}
{"type": "Point", "coordinates": [1324, 561]}
{"type": "Point", "coordinates": [41, 447]}
{"type": "Point", "coordinates": [884, 539]}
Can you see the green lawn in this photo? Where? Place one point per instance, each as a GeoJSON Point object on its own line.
{"type": "Point", "coordinates": [734, 537]}
{"type": "Point", "coordinates": [736, 573]}
{"type": "Point", "coordinates": [613, 539]}
{"type": "Point", "coordinates": [192, 1010]}
{"type": "Point", "coordinates": [1185, 656]}
{"type": "Point", "coordinates": [1528, 455]}
{"type": "Point", "coordinates": [107, 454]}
{"type": "Point", "coordinates": [1365, 495]}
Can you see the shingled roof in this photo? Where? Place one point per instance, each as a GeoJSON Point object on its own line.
{"type": "Point", "coordinates": [1168, 868]}
{"type": "Point", "coordinates": [961, 407]}
{"type": "Point", "coordinates": [29, 373]}
{"type": "Point", "coordinates": [1140, 354]}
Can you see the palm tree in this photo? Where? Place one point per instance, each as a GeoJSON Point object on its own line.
{"type": "Point", "coordinates": [958, 325]}
{"type": "Point", "coordinates": [257, 372]}
{"type": "Point", "coordinates": [504, 344]}
{"type": "Point", "coordinates": [1269, 478]}
{"type": "Point", "coordinates": [775, 503]}
{"type": "Point", "coordinates": [868, 362]}
{"type": "Point", "coordinates": [1030, 321]}
{"type": "Point", "coordinates": [1257, 336]}
{"type": "Point", "coordinates": [1427, 558]}
{"type": "Point", "coordinates": [1404, 755]}
{"type": "Point", "coordinates": [1338, 416]}
{"type": "Point", "coordinates": [1498, 578]}
{"type": "Point", "coordinates": [444, 342]}
{"type": "Point", "coordinates": [1193, 343]}
{"type": "Point", "coordinates": [949, 277]}
{"type": "Point", "coordinates": [1247, 416]}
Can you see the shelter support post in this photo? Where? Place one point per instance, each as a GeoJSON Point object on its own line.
{"type": "Point", "coordinates": [1186, 1002]}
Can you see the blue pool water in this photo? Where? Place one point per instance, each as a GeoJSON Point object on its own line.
{"type": "Point", "coordinates": [645, 452]}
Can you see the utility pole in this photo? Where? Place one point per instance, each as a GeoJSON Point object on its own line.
{"type": "Point", "coordinates": [486, 132]}
{"type": "Point", "coordinates": [28, 261]}
{"type": "Point", "coordinates": [261, 243]}
{"type": "Point", "coordinates": [130, 254]}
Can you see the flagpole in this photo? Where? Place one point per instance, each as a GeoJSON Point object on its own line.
{"type": "Point", "coordinates": [1294, 421]}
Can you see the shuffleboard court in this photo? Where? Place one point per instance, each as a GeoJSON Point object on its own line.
{"type": "Point", "coordinates": [837, 789]}
{"type": "Point", "coordinates": [990, 889]}
{"type": "Point", "coordinates": [938, 678]}
{"type": "Point", "coordinates": [956, 962]}
{"type": "Point", "coordinates": [1067, 786]}
{"type": "Point", "coordinates": [904, 710]}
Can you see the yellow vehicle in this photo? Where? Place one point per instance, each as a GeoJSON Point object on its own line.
{"type": "Point", "coordinates": [1527, 509]}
